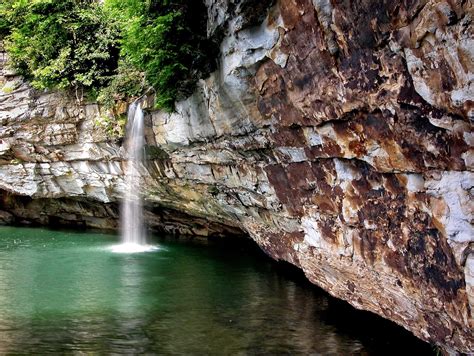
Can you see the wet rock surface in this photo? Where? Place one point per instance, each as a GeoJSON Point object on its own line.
{"type": "Point", "coordinates": [338, 135]}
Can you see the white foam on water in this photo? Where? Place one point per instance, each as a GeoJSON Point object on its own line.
{"type": "Point", "coordinates": [132, 248]}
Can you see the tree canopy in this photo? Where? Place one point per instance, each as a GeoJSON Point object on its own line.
{"type": "Point", "coordinates": [113, 50]}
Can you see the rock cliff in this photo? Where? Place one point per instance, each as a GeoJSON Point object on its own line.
{"type": "Point", "coordinates": [337, 135]}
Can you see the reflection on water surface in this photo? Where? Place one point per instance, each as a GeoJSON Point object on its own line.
{"type": "Point", "coordinates": [66, 291]}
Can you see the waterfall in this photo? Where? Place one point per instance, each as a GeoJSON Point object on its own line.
{"type": "Point", "coordinates": [133, 233]}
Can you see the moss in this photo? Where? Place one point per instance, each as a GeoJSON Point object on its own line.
{"type": "Point", "coordinates": [155, 153]}
{"type": "Point", "coordinates": [7, 89]}
{"type": "Point", "coordinates": [213, 190]}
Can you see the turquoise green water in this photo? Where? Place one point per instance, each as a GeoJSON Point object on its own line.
{"type": "Point", "coordinates": [65, 292]}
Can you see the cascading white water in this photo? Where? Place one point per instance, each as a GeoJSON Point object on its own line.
{"type": "Point", "coordinates": [131, 219]}
{"type": "Point", "coordinates": [132, 209]}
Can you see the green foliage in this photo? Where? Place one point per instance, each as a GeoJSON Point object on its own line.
{"type": "Point", "coordinates": [8, 15]}
{"type": "Point", "coordinates": [165, 39]}
{"type": "Point", "coordinates": [128, 82]}
{"type": "Point", "coordinates": [61, 43]}
{"type": "Point", "coordinates": [113, 126]}
{"type": "Point", "coordinates": [114, 50]}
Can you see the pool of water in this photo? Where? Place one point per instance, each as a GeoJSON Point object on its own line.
{"type": "Point", "coordinates": [65, 292]}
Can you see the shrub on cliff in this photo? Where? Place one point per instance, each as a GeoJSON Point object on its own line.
{"type": "Point", "coordinates": [128, 82]}
{"type": "Point", "coordinates": [166, 39]}
{"type": "Point", "coordinates": [62, 43]}
{"type": "Point", "coordinates": [113, 51]}
{"type": "Point", "coordinates": [6, 13]}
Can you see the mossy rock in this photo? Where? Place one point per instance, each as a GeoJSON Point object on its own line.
{"type": "Point", "coordinates": [213, 190]}
{"type": "Point", "coordinates": [155, 153]}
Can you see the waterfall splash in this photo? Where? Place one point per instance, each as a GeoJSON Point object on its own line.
{"type": "Point", "coordinates": [133, 236]}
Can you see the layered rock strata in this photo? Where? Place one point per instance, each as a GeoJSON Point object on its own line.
{"type": "Point", "coordinates": [337, 135]}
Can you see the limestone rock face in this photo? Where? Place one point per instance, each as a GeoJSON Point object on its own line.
{"type": "Point", "coordinates": [52, 147]}
{"type": "Point", "coordinates": [337, 135]}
